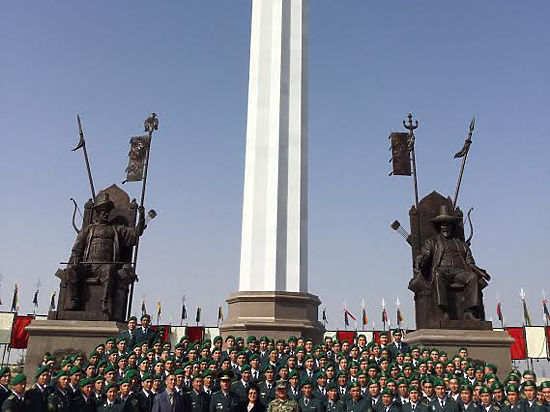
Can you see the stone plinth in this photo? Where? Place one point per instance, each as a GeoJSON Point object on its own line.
{"type": "Point", "coordinates": [273, 314]}
{"type": "Point", "coordinates": [488, 345]}
{"type": "Point", "coordinates": [62, 337]}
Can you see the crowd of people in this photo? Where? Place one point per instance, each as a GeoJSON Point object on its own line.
{"type": "Point", "coordinates": [138, 372]}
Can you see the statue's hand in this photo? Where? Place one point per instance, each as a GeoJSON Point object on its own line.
{"type": "Point", "coordinates": [141, 210]}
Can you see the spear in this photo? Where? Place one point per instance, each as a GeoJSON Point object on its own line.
{"type": "Point", "coordinates": [464, 155]}
{"type": "Point", "coordinates": [82, 144]}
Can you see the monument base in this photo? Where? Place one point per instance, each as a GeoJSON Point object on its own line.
{"type": "Point", "coordinates": [487, 345]}
{"type": "Point", "coordinates": [273, 314]}
{"type": "Point", "coordinates": [65, 337]}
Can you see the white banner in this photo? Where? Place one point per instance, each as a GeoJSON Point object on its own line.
{"type": "Point", "coordinates": [6, 323]}
{"type": "Point", "coordinates": [177, 332]}
{"type": "Point", "coordinates": [211, 333]}
{"type": "Point", "coordinates": [536, 342]}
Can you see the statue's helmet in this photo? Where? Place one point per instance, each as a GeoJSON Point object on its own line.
{"type": "Point", "coordinates": [445, 217]}
{"type": "Point", "coordinates": [103, 202]}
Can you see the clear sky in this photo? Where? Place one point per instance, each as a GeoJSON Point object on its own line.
{"type": "Point", "coordinates": [370, 64]}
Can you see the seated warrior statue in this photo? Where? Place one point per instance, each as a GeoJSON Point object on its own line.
{"type": "Point", "coordinates": [96, 252]}
{"type": "Point", "coordinates": [449, 260]}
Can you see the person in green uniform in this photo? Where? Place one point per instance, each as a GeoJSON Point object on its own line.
{"type": "Point", "coordinates": [512, 402]}
{"type": "Point", "coordinates": [306, 401]}
{"type": "Point", "coordinates": [83, 402]}
{"type": "Point", "coordinates": [486, 400]}
{"type": "Point", "coordinates": [387, 404]}
{"type": "Point", "coordinates": [36, 397]}
{"type": "Point", "coordinates": [282, 403]}
{"type": "Point", "coordinates": [14, 402]}
{"type": "Point", "coordinates": [466, 399]}
{"type": "Point", "coordinates": [224, 400]}
{"type": "Point", "coordinates": [5, 377]}
{"type": "Point", "coordinates": [111, 403]}
{"type": "Point", "coordinates": [196, 400]}
{"type": "Point", "coordinates": [334, 404]}
{"type": "Point", "coordinates": [356, 402]}
{"type": "Point", "coordinates": [58, 400]}
{"type": "Point", "coordinates": [415, 403]}
{"type": "Point", "coordinates": [531, 403]}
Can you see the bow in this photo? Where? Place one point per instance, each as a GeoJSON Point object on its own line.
{"type": "Point", "coordinates": [75, 227]}
{"type": "Point", "coordinates": [469, 217]}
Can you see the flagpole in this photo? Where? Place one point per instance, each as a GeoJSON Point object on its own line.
{"type": "Point", "coordinates": [151, 124]}
{"type": "Point", "coordinates": [411, 143]}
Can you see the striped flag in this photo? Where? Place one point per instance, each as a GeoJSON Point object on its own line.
{"type": "Point", "coordinates": [35, 299]}
{"type": "Point", "coordinates": [545, 309]}
{"type": "Point", "coordinates": [220, 314]}
{"type": "Point", "coordinates": [364, 317]}
{"type": "Point", "coordinates": [143, 307]}
{"type": "Point", "coordinates": [159, 309]}
{"type": "Point", "coordinates": [52, 301]}
{"type": "Point", "coordinates": [526, 316]}
{"type": "Point", "coordinates": [198, 316]}
{"type": "Point", "coordinates": [400, 318]}
{"type": "Point", "coordinates": [347, 315]}
{"type": "Point", "coordinates": [15, 299]}
{"type": "Point", "coordinates": [500, 314]}
{"type": "Point", "coordinates": [325, 320]}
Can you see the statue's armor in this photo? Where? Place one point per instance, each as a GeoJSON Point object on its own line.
{"type": "Point", "coordinates": [101, 244]}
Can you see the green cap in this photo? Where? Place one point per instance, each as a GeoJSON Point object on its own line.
{"type": "Point", "coordinates": [529, 384]}
{"type": "Point", "coordinates": [512, 388]}
{"type": "Point", "coordinates": [484, 389]}
{"type": "Point", "coordinates": [41, 370]}
{"type": "Point", "coordinates": [85, 382]}
{"type": "Point", "coordinates": [225, 376]}
{"type": "Point", "coordinates": [19, 378]}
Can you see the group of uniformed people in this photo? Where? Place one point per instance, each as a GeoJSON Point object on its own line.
{"type": "Point", "coordinates": [140, 372]}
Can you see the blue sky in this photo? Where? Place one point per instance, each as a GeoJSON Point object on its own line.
{"type": "Point", "coordinates": [370, 64]}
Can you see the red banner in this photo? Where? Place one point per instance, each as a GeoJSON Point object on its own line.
{"type": "Point", "coordinates": [163, 330]}
{"type": "Point", "coordinates": [195, 333]}
{"type": "Point", "coordinates": [378, 333]}
{"type": "Point", "coordinates": [19, 336]}
{"type": "Point", "coordinates": [343, 335]}
{"type": "Point", "coordinates": [518, 350]}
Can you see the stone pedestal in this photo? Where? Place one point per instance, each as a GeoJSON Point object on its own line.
{"type": "Point", "coordinates": [65, 337]}
{"type": "Point", "coordinates": [487, 345]}
{"type": "Point", "coordinates": [273, 314]}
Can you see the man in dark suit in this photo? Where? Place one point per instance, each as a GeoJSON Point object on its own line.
{"type": "Point", "coordinates": [168, 400]}
{"type": "Point", "coordinates": [397, 346]}
{"type": "Point", "coordinates": [334, 404]}
{"type": "Point", "coordinates": [466, 403]}
{"type": "Point", "coordinates": [83, 402]}
{"type": "Point", "coordinates": [442, 403]}
{"type": "Point", "coordinates": [356, 403]}
{"type": "Point", "coordinates": [145, 333]}
{"type": "Point", "coordinates": [240, 388]}
{"type": "Point", "coordinates": [130, 334]}
{"type": "Point", "coordinates": [387, 404]}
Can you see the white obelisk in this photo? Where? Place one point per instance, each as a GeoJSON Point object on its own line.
{"type": "Point", "coordinates": [272, 299]}
{"type": "Point", "coordinates": [274, 230]}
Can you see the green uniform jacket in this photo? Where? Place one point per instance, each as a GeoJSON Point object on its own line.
{"type": "Point", "coordinates": [144, 402]}
{"type": "Point", "coordinates": [278, 405]}
{"type": "Point", "coordinates": [116, 406]}
{"type": "Point", "coordinates": [518, 407]}
{"type": "Point", "coordinates": [337, 406]}
{"type": "Point", "coordinates": [81, 405]}
{"type": "Point", "coordinates": [36, 399]}
{"type": "Point", "coordinates": [420, 407]}
{"type": "Point", "coordinates": [221, 403]}
{"type": "Point", "coordinates": [450, 405]}
{"type": "Point", "coordinates": [362, 405]}
{"type": "Point", "coordinates": [196, 402]}
{"type": "Point", "coordinates": [58, 402]}
{"type": "Point", "coordinates": [238, 389]}
{"type": "Point", "coordinates": [313, 405]}
{"type": "Point", "coordinates": [267, 395]}
{"type": "Point", "coordinates": [536, 407]}
{"type": "Point", "coordinates": [13, 404]}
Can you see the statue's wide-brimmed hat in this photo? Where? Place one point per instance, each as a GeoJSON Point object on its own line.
{"type": "Point", "coordinates": [103, 201]}
{"type": "Point", "coordinates": [444, 216]}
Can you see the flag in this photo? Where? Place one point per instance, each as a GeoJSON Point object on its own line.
{"type": "Point", "coordinates": [467, 143]}
{"type": "Point", "coordinates": [346, 320]}
{"type": "Point", "coordinates": [139, 146]}
{"type": "Point", "coordinates": [364, 317]}
{"type": "Point", "coordinates": [159, 308]}
{"type": "Point", "coordinates": [400, 154]}
{"type": "Point", "coordinates": [325, 320]}
{"type": "Point", "coordinates": [52, 301]}
{"type": "Point", "coordinates": [400, 318]}
{"type": "Point", "coordinates": [384, 316]}
{"type": "Point", "coordinates": [143, 307]}
{"type": "Point", "coordinates": [545, 309]}
{"type": "Point", "coordinates": [198, 316]}
{"type": "Point", "coordinates": [220, 313]}
{"type": "Point", "coordinates": [183, 311]}
{"type": "Point", "coordinates": [15, 299]}
{"type": "Point", "coordinates": [35, 299]}
{"type": "Point", "coordinates": [526, 316]}
{"type": "Point", "coordinates": [499, 312]}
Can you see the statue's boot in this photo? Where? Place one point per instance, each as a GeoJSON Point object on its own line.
{"type": "Point", "coordinates": [469, 315]}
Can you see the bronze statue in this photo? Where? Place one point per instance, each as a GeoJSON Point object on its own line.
{"type": "Point", "coordinates": [96, 253]}
{"type": "Point", "coordinates": [450, 263]}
